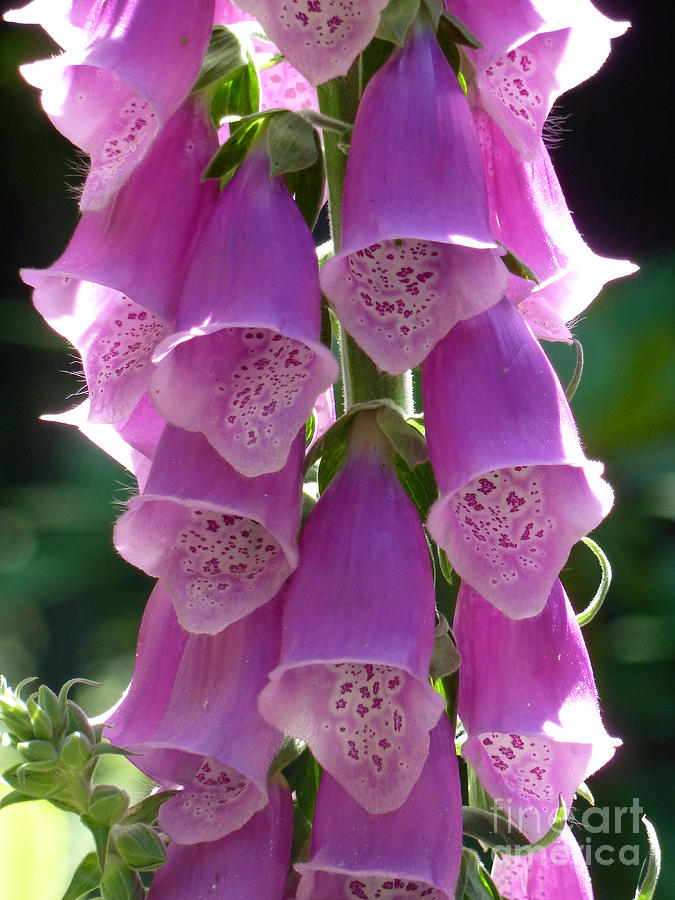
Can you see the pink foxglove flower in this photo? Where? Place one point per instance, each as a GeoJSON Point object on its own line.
{"type": "Point", "coordinates": [527, 747]}
{"type": "Point", "coordinates": [113, 292]}
{"type": "Point", "coordinates": [321, 38]}
{"type": "Point", "coordinates": [533, 51]}
{"type": "Point", "coordinates": [249, 863]}
{"type": "Point", "coordinates": [352, 681]}
{"type": "Point", "coordinates": [516, 490]}
{"type": "Point", "coordinates": [530, 216]}
{"type": "Point", "coordinates": [203, 729]}
{"type": "Point", "coordinates": [245, 364]}
{"type": "Point", "coordinates": [551, 874]}
{"type": "Point", "coordinates": [417, 252]}
{"type": "Point", "coordinates": [222, 544]}
{"type": "Point", "coordinates": [412, 852]}
{"type": "Point", "coordinates": [111, 92]}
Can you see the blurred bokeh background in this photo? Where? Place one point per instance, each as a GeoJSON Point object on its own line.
{"type": "Point", "coordinates": [69, 606]}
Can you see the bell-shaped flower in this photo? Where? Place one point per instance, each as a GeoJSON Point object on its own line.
{"type": "Point", "coordinates": [530, 216]}
{"type": "Point", "coordinates": [411, 852]}
{"type": "Point", "coordinates": [528, 745]}
{"type": "Point", "coordinates": [131, 443]}
{"type": "Point", "coordinates": [222, 544]}
{"type": "Point", "coordinates": [553, 873]}
{"type": "Point", "coordinates": [126, 69]}
{"type": "Point", "coordinates": [516, 491]}
{"type": "Point", "coordinates": [533, 51]}
{"type": "Point", "coordinates": [321, 39]}
{"type": "Point", "coordinates": [417, 254]}
{"type": "Point", "coordinates": [352, 680]}
{"type": "Point", "coordinates": [113, 292]}
{"type": "Point", "coordinates": [198, 725]}
{"type": "Point", "coordinates": [249, 863]}
{"type": "Point", "coordinates": [245, 364]}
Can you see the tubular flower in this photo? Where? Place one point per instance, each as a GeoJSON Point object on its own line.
{"type": "Point", "coordinates": [113, 292]}
{"type": "Point", "coordinates": [205, 732]}
{"type": "Point", "coordinates": [528, 747]}
{"type": "Point", "coordinates": [557, 871]}
{"type": "Point", "coordinates": [222, 544]}
{"type": "Point", "coordinates": [411, 852]}
{"type": "Point", "coordinates": [352, 680]}
{"type": "Point", "coordinates": [110, 93]}
{"type": "Point", "coordinates": [245, 365]}
{"type": "Point", "coordinates": [417, 253]}
{"type": "Point", "coordinates": [530, 216]}
{"type": "Point", "coordinates": [533, 51]}
{"type": "Point", "coordinates": [251, 862]}
{"type": "Point", "coordinates": [516, 490]}
{"type": "Point", "coordinates": [321, 38]}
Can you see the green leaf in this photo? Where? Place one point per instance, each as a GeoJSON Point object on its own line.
{"type": "Point", "coordinates": [240, 96]}
{"type": "Point", "coordinates": [593, 608]}
{"type": "Point", "coordinates": [291, 748]}
{"type": "Point", "coordinates": [395, 19]}
{"type": "Point", "coordinates": [302, 830]}
{"type": "Point", "coordinates": [146, 810]}
{"type": "Point", "coordinates": [120, 882]}
{"type": "Point", "coordinates": [87, 877]}
{"type": "Point", "coordinates": [291, 143]}
{"type": "Point", "coordinates": [419, 483]}
{"type": "Point", "coordinates": [303, 776]}
{"type": "Point", "coordinates": [647, 884]}
{"type": "Point", "coordinates": [327, 123]}
{"type": "Point", "coordinates": [139, 845]}
{"type": "Point", "coordinates": [307, 186]}
{"type": "Point", "coordinates": [474, 883]}
{"type": "Point", "coordinates": [373, 58]}
{"type": "Point", "coordinates": [225, 58]}
{"type": "Point", "coordinates": [455, 30]}
{"type": "Point", "coordinates": [405, 438]}
{"type": "Point", "coordinates": [14, 797]}
{"type": "Point", "coordinates": [516, 266]}
{"type": "Point", "coordinates": [234, 150]}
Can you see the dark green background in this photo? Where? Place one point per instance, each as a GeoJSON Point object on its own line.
{"type": "Point", "coordinates": [69, 606]}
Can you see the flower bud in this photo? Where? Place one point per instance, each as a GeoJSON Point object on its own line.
{"type": "Point", "coordinates": [78, 721]}
{"type": "Point", "coordinates": [75, 750]}
{"type": "Point", "coordinates": [49, 702]}
{"type": "Point", "coordinates": [119, 882]}
{"type": "Point", "coordinates": [140, 846]}
{"type": "Point", "coordinates": [43, 728]}
{"type": "Point", "coordinates": [37, 751]}
{"type": "Point", "coordinates": [107, 804]}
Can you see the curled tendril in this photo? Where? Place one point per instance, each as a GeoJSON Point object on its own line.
{"type": "Point", "coordinates": [591, 611]}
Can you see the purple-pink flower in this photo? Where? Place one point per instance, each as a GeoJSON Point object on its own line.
{"type": "Point", "coordinates": [557, 872]}
{"type": "Point", "coordinates": [244, 365]}
{"type": "Point", "coordinates": [516, 491]}
{"type": "Point", "coordinates": [528, 702]}
{"type": "Point", "coordinates": [111, 92]}
{"type": "Point", "coordinates": [417, 254]}
{"type": "Point", "coordinates": [222, 544]}
{"type": "Point", "coordinates": [411, 852]}
{"type": "Point", "coordinates": [352, 680]}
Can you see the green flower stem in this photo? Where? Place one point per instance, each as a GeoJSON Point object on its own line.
{"type": "Point", "coordinates": [361, 378]}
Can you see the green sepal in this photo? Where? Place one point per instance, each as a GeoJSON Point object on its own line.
{"type": "Point", "coordinates": [444, 565]}
{"type": "Point", "coordinates": [326, 123]}
{"type": "Point", "coordinates": [291, 748]}
{"type": "Point", "coordinates": [419, 484]}
{"type": "Point", "coordinates": [585, 793]}
{"type": "Point", "coordinates": [395, 19]}
{"type": "Point", "coordinates": [37, 751]}
{"type": "Point", "coordinates": [474, 882]}
{"type": "Point", "coordinates": [647, 884]}
{"type": "Point", "coordinates": [78, 721]}
{"type": "Point", "coordinates": [497, 832]}
{"type": "Point", "coordinates": [14, 797]}
{"type": "Point", "coordinates": [373, 58]}
{"type": "Point", "coordinates": [303, 776]}
{"type": "Point", "coordinates": [75, 750]}
{"type": "Point", "coordinates": [307, 186]}
{"type": "Point", "coordinates": [445, 655]}
{"type": "Point", "coordinates": [42, 724]}
{"type": "Point", "coordinates": [56, 710]}
{"type": "Point", "coordinates": [65, 690]}
{"type": "Point", "coordinates": [404, 437]}
{"type": "Point", "coordinates": [87, 876]}
{"type": "Point", "coordinates": [516, 266]}
{"type": "Point", "coordinates": [571, 388]}
{"type": "Point", "coordinates": [291, 143]}
{"type": "Point", "coordinates": [238, 97]}
{"type": "Point", "coordinates": [146, 810]}
{"type": "Point", "coordinates": [139, 845]}
{"type": "Point", "coordinates": [455, 30]}
{"type": "Point", "coordinates": [302, 831]}
{"type": "Point", "coordinates": [310, 429]}
{"type": "Point", "coordinates": [593, 608]}
{"type": "Point", "coordinates": [108, 804]}
{"type": "Point", "coordinates": [105, 748]}
{"type": "Point", "coordinates": [225, 58]}
{"type": "Point", "coordinates": [120, 882]}
{"type": "Point", "coordinates": [233, 152]}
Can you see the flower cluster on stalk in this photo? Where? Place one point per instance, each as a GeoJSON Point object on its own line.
{"type": "Point", "coordinates": [267, 658]}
